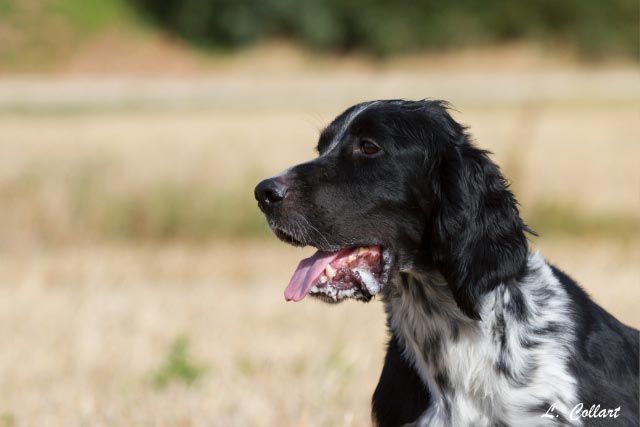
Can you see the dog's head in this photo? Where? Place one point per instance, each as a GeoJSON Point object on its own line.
{"type": "Point", "coordinates": [397, 186]}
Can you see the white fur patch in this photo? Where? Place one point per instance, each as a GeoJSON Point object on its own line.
{"type": "Point", "coordinates": [439, 339]}
{"type": "Point", "coordinates": [338, 137]}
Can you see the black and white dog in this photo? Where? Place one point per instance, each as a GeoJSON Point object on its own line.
{"type": "Point", "coordinates": [400, 203]}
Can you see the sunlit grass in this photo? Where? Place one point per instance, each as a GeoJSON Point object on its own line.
{"type": "Point", "coordinates": [193, 211]}
{"type": "Point", "coordinates": [122, 226]}
{"type": "Point", "coordinates": [557, 219]}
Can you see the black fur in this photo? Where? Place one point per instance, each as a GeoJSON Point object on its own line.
{"type": "Point", "coordinates": [606, 360]}
{"type": "Point", "coordinates": [476, 234]}
{"type": "Point", "coordinates": [400, 396]}
{"type": "Point", "coordinates": [435, 202]}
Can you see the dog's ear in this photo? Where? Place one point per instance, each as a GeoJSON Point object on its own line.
{"type": "Point", "coordinates": [476, 236]}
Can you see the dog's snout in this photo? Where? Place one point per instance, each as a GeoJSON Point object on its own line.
{"type": "Point", "coordinates": [269, 193]}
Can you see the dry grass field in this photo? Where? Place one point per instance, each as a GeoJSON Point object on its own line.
{"type": "Point", "coordinates": [128, 222]}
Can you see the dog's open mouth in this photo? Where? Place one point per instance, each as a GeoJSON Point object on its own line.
{"type": "Point", "coordinates": [357, 273]}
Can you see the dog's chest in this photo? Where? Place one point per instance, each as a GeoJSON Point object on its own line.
{"type": "Point", "coordinates": [457, 372]}
{"type": "Point", "coordinates": [479, 373]}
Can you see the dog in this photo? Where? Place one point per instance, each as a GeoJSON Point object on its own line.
{"type": "Point", "coordinates": [483, 332]}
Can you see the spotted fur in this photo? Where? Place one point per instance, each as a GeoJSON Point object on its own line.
{"type": "Point", "coordinates": [500, 371]}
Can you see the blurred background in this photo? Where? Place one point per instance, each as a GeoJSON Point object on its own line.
{"type": "Point", "coordinates": [139, 284]}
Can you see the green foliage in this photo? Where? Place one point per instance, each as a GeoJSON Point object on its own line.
{"type": "Point", "coordinates": [36, 34]}
{"type": "Point", "coordinates": [7, 419]}
{"type": "Point", "coordinates": [6, 7]}
{"type": "Point", "coordinates": [89, 15]}
{"type": "Point", "coordinates": [552, 218]}
{"type": "Point", "coordinates": [593, 27]}
{"type": "Point", "coordinates": [178, 366]}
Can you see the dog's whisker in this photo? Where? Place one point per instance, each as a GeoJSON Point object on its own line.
{"type": "Point", "coordinates": [326, 241]}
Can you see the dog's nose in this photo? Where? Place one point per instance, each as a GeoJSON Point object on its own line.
{"type": "Point", "coordinates": [269, 193]}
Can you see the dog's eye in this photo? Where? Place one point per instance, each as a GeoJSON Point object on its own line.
{"type": "Point", "coordinates": [369, 147]}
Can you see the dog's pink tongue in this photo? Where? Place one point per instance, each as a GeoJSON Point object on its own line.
{"type": "Point", "coordinates": [307, 272]}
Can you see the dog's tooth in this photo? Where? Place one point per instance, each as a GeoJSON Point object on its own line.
{"type": "Point", "coordinates": [351, 258]}
{"type": "Point", "coordinates": [362, 251]}
{"type": "Point", "coordinates": [330, 271]}
{"type": "Point", "coordinates": [323, 279]}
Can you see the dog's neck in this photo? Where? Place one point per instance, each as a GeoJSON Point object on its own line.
{"type": "Point", "coordinates": [489, 371]}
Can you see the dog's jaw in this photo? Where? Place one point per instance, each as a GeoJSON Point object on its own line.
{"type": "Point", "coordinates": [351, 273]}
